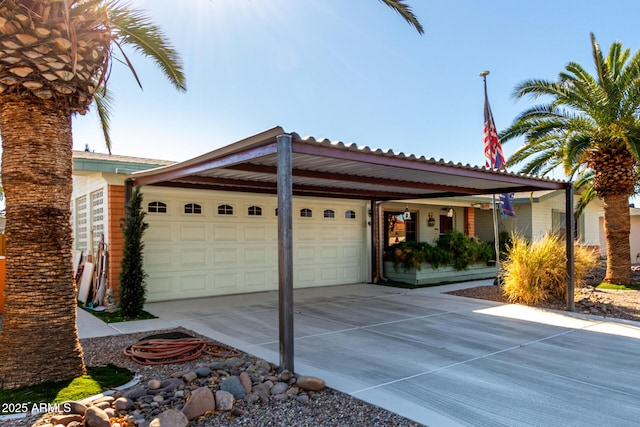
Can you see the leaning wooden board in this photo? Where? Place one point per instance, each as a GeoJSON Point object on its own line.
{"type": "Point", "coordinates": [85, 282]}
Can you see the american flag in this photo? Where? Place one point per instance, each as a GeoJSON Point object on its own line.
{"type": "Point", "coordinates": [492, 147]}
{"type": "Point", "coordinates": [494, 155]}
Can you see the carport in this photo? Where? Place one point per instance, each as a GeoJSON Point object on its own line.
{"type": "Point", "coordinates": [286, 164]}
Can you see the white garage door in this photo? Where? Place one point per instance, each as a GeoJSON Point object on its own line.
{"type": "Point", "coordinates": [204, 243]}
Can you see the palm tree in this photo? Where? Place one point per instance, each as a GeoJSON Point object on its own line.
{"type": "Point", "coordinates": [55, 56]}
{"type": "Point", "coordinates": [591, 129]}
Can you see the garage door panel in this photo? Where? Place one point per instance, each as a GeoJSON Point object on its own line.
{"type": "Point", "coordinates": [158, 233]}
{"type": "Point", "coordinates": [257, 255]}
{"type": "Point", "coordinates": [226, 281]}
{"type": "Point", "coordinates": [225, 233]}
{"type": "Point", "coordinates": [305, 232]}
{"type": "Point", "coordinates": [258, 280]}
{"type": "Point", "coordinates": [225, 256]}
{"type": "Point", "coordinates": [352, 233]}
{"type": "Point", "coordinates": [256, 234]}
{"type": "Point", "coordinates": [329, 233]}
{"type": "Point", "coordinates": [188, 256]}
{"type": "Point", "coordinates": [193, 282]}
{"type": "Point", "coordinates": [329, 253]}
{"type": "Point", "coordinates": [329, 273]}
{"type": "Point", "coordinates": [158, 257]}
{"type": "Point", "coordinates": [351, 273]}
{"type": "Point", "coordinates": [162, 286]}
{"type": "Point", "coordinates": [193, 233]}
{"type": "Point", "coordinates": [305, 253]}
{"type": "Point", "coordinates": [193, 257]}
{"type": "Point", "coordinates": [305, 275]}
{"type": "Point", "coordinates": [351, 253]}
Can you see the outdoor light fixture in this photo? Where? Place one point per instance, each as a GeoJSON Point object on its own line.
{"type": "Point", "coordinates": [407, 214]}
{"type": "Point", "coordinates": [431, 221]}
{"type": "Point", "coordinates": [450, 212]}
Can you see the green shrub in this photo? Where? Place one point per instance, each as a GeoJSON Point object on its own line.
{"type": "Point", "coordinates": [453, 248]}
{"type": "Point", "coordinates": [535, 272]}
{"type": "Point", "coordinates": [132, 275]}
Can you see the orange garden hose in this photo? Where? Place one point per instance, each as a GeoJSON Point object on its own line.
{"type": "Point", "coordinates": [166, 351]}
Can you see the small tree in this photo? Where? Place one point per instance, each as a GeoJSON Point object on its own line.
{"type": "Point", "coordinates": [132, 275]}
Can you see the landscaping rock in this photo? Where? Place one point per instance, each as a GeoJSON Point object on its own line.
{"type": "Point", "coordinates": [201, 401]}
{"type": "Point", "coordinates": [73, 407]}
{"type": "Point", "coordinates": [224, 400]}
{"type": "Point", "coordinates": [96, 417]}
{"type": "Point", "coordinates": [122, 404]}
{"type": "Point", "coordinates": [279, 388]}
{"type": "Point", "coordinates": [245, 380]}
{"type": "Point", "coordinates": [310, 383]}
{"type": "Point", "coordinates": [262, 390]}
{"type": "Point", "coordinates": [136, 392]}
{"type": "Point", "coordinates": [203, 372]}
{"type": "Point", "coordinates": [65, 419]}
{"type": "Point", "coordinates": [170, 418]}
{"type": "Point", "coordinates": [234, 386]}
{"type": "Point", "coordinates": [189, 376]}
{"type": "Point", "coordinates": [154, 384]}
{"type": "Point", "coordinates": [263, 367]}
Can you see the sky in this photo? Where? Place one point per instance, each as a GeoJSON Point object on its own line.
{"type": "Point", "coordinates": [349, 70]}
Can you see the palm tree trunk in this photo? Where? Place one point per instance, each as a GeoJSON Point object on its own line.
{"type": "Point", "coordinates": [39, 338]}
{"type": "Point", "coordinates": [617, 227]}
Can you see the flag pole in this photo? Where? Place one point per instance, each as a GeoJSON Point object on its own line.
{"type": "Point", "coordinates": [496, 238]}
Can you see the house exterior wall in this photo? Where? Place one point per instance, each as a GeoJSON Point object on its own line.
{"type": "Point", "coordinates": [421, 212]}
{"type": "Point", "coordinates": [103, 195]}
{"type": "Point", "coordinates": [534, 219]}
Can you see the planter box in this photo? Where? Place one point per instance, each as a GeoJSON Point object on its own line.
{"type": "Point", "coordinates": [429, 276]}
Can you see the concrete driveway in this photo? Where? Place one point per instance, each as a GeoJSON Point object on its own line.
{"type": "Point", "coordinates": [438, 359]}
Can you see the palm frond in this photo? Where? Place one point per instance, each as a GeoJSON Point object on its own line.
{"type": "Point", "coordinates": [405, 11]}
{"type": "Point", "coordinates": [104, 106]}
{"type": "Point", "coordinates": [133, 27]}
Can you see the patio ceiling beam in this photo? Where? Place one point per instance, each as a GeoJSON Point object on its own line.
{"type": "Point", "coordinates": [426, 166]}
{"type": "Point", "coordinates": [306, 173]}
{"type": "Point", "coordinates": [223, 184]}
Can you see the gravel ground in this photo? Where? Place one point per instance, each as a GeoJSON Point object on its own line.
{"type": "Point", "coordinates": [328, 407]}
{"type": "Point", "coordinates": [615, 304]}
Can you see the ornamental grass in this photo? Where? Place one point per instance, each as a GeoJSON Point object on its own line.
{"type": "Point", "coordinates": [535, 272]}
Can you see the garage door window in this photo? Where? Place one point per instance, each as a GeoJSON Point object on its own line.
{"type": "Point", "coordinates": [157, 207]}
{"type": "Point", "coordinates": [329, 213]}
{"type": "Point", "coordinates": [350, 214]}
{"type": "Point", "coordinates": [225, 210]}
{"type": "Point", "coordinates": [306, 213]}
{"type": "Point", "coordinates": [193, 209]}
{"type": "Point", "coordinates": [254, 211]}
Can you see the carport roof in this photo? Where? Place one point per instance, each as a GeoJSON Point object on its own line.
{"type": "Point", "coordinates": [335, 169]}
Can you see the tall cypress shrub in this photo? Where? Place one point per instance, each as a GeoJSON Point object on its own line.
{"type": "Point", "coordinates": [132, 275]}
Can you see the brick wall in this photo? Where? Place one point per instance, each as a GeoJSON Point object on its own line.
{"type": "Point", "coordinates": [470, 222]}
{"type": "Point", "coordinates": [116, 237]}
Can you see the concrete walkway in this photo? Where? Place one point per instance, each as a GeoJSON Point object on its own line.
{"type": "Point", "coordinates": [438, 359]}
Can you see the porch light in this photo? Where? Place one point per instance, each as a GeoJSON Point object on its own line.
{"type": "Point", "coordinates": [431, 221]}
{"type": "Point", "coordinates": [450, 211]}
{"type": "Point", "coordinates": [407, 214]}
